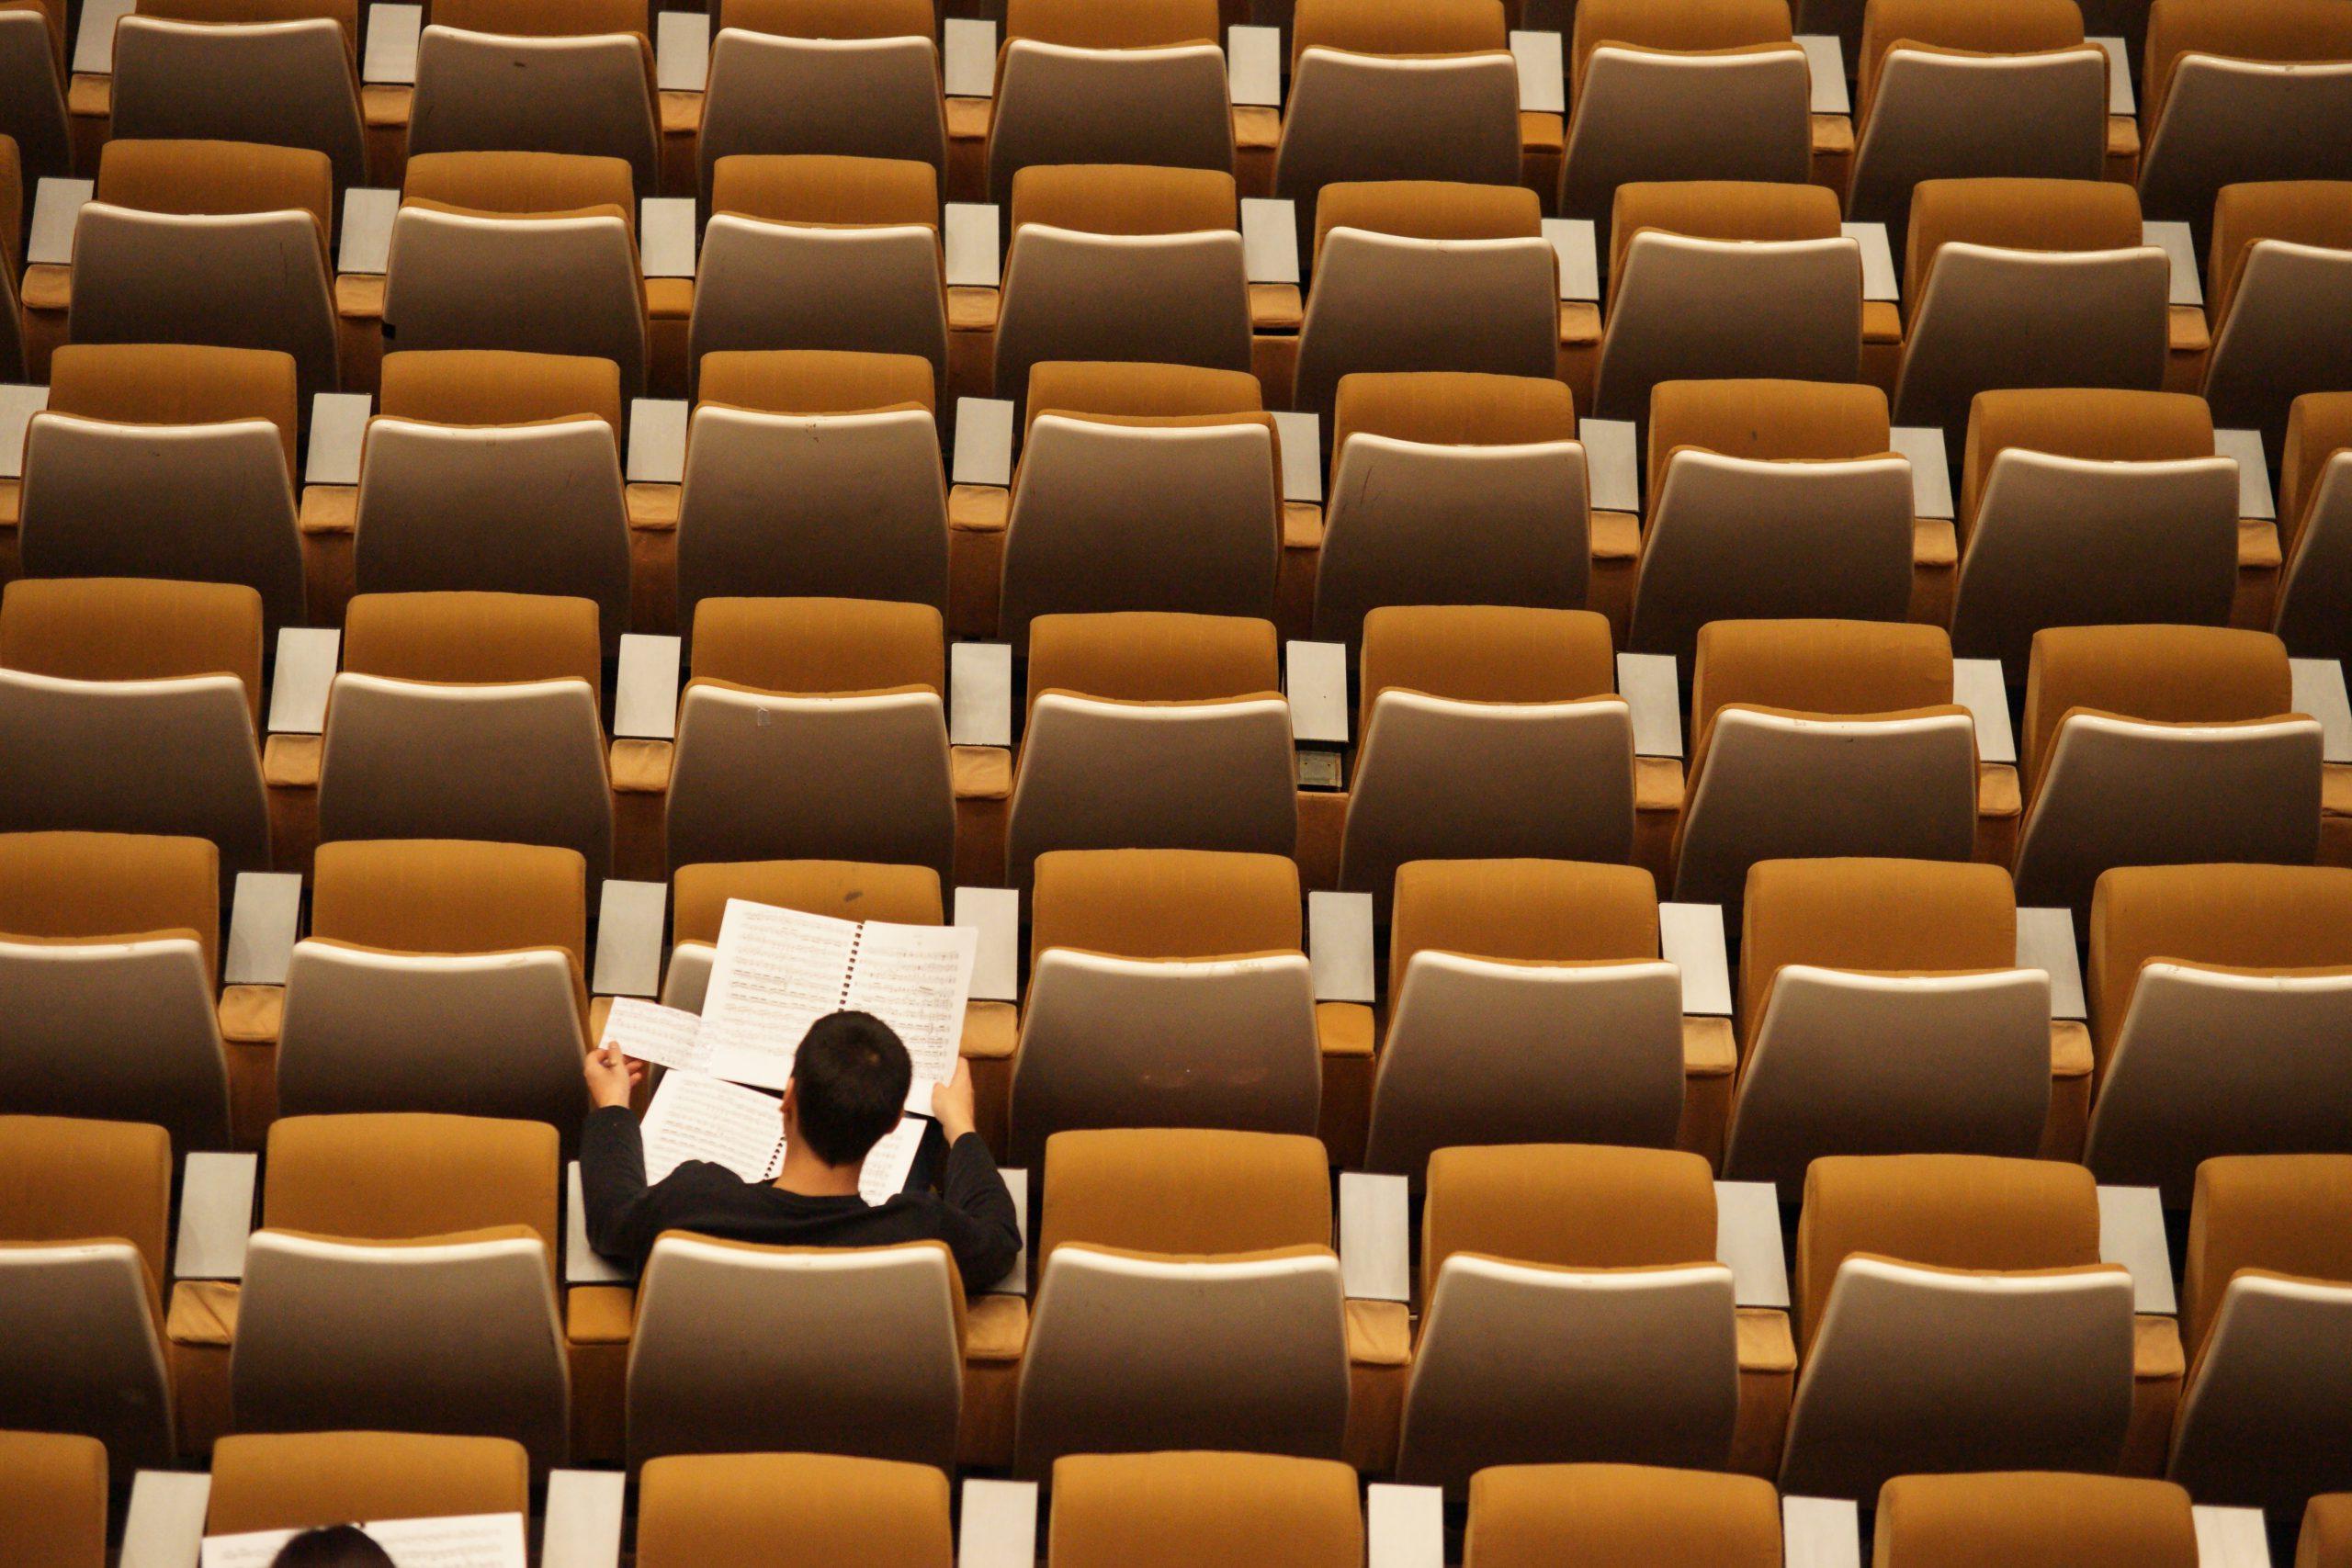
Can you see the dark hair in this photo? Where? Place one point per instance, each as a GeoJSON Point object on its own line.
{"type": "Point", "coordinates": [337, 1546]}
{"type": "Point", "coordinates": [849, 1080]}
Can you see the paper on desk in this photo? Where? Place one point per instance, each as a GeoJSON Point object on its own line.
{"type": "Point", "coordinates": [470, 1541]}
{"type": "Point", "coordinates": [647, 1032]}
{"type": "Point", "coordinates": [697, 1117]}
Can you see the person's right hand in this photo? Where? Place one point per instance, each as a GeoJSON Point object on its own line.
{"type": "Point", "coordinates": [951, 1103]}
{"type": "Point", "coordinates": [611, 1077]}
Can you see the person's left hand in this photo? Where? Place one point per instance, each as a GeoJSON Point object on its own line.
{"type": "Point", "coordinates": [612, 1078]}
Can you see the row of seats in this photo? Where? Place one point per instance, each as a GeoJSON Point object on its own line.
{"type": "Point", "coordinates": [1213, 1509]}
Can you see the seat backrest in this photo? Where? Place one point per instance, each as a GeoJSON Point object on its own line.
{"type": "Point", "coordinates": [2098, 1521]}
{"type": "Point", "coordinates": [797, 1510]}
{"type": "Point", "coordinates": [820, 646]}
{"type": "Point", "coordinates": [2315, 522]}
{"type": "Point", "coordinates": [590, 81]}
{"type": "Point", "coordinates": [1218, 1510]}
{"type": "Point", "coordinates": [2280, 31]}
{"type": "Point", "coordinates": [2157, 675]}
{"type": "Point", "coordinates": [2278, 1213]}
{"type": "Point", "coordinates": [217, 178]}
{"type": "Point", "coordinates": [1528, 911]}
{"type": "Point", "coordinates": [308, 1480]}
{"type": "Point", "coordinates": [518, 184]}
{"type": "Point", "coordinates": [1578, 1206]}
{"type": "Point", "coordinates": [74, 1180]}
{"type": "Point", "coordinates": [1730, 211]}
{"type": "Point", "coordinates": [68, 887]}
{"type": "Point", "coordinates": [157, 383]}
{"type": "Point", "coordinates": [768, 89]}
{"type": "Point", "coordinates": [400, 1177]}
{"type": "Point", "coordinates": [471, 639]}
{"type": "Point", "coordinates": [1395, 89]}
{"type": "Point", "coordinates": [1183, 1193]}
{"type": "Point", "coordinates": [273, 73]}
{"type": "Point", "coordinates": [134, 629]}
{"type": "Point", "coordinates": [1070, 74]}
{"type": "Point", "coordinates": [1164, 903]}
{"type": "Point", "coordinates": [498, 387]}
{"type": "Point", "coordinates": [1620, 1516]}
{"type": "Point", "coordinates": [53, 1498]}
{"type": "Point", "coordinates": [1150, 657]}
{"type": "Point", "coordinates": [816, 381]}
{"type": "Point", "coordinates": [1848, 669]}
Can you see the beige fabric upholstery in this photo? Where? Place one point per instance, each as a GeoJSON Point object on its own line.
{"type": "Point", "coordinates": [848, 890]}
{"type": "Point", "coordinates": [473, 639]}
{"type": "Point", "coordinates": [2305, 212]}
{"type": "Point", "coordinates": [1485, 654]}
{"type": "Point", "coordinates": [1123, 199]}
{"type": "Point", "coordinates": [2097, 424]}
{"type": "Point", "coordinates": [1187, 1192]}
{"type": "Point", "coordinates": [1144, 658]}
{"type": "Point", "coordinates": [217, 178]}
{"type": "Point", "coordinates": [71, 1179]}
{"type": "Point", "coordinates": [2159, 674]}
{"type": "Point", "coordinates": [2283, 1213]}
{"type": "Point", "coordinates": [154, 383]}
{"type": "Point", "coordinates": [85, 886]}
{"type": "Point", "coordinates": [456, 386]}
{"type": "Point", "coordinates": [123, 628]}
{"type": "Point", "coordinates": [818, 645]}
{"type": "Point", "coordinates": [2015, 214]}
{"type": "Point", "coordinates": [1534, 911]}
{"type": "Point", "coordinates": [53, 1499]}
{"type": "Point", "coordinates": [811, 189]}
{"type": "Point", "coordinates": [1718, 210]}
{"type": "Point", "coordinates": [1452, 408]}
{"type": "Point", "coordinates": [2281, 30]}
{"type": "Point", "coordinates": [830, 18]}
{"type": "Point", "coordinates": [401, 1176]}
{"type": "Point", "coordinates": [1717, 26]}
{"type": "Point", "coordinates": [2319, 426]}
{"type": "Point", "coordinates": [1428, 209]}
{"type": "Point", "coordinates": [305, 1480]}
{"type": "Point", "coordinates": [1767, 421]}
{"type": "Point", "coordinates": [2014, 26]}
{"type": "Point", "coordinates": [791, 1511]}
{"type": "Point", "coordinates": [521, 184]}
{"type": "Point", "coordinates": [1569, 1206]}
{"type": "Point", "coordinates": [543, 18]}
{"type": "Point", "coordinates": [450, 896]}
{"type": "Point", "coordinates": [814, 381]}
{"type": "Point", "coordinates": [2085, 1521]}
{"type": "Point", "coordinates": [1619, 1515]}
{"type": "Point", "coordinates": [2327, 1533]}
{"type": "Point", "coordinates": [1816, 667]}
{"type": "Point", "coordinates": [1211, 1510]}
{"type": "Point", "coordinates": [1164, 903]}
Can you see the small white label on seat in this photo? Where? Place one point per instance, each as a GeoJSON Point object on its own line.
{"type": "Point", "coordinates": [391, 45]}
{"type": "Point", "coordinates": [583, 1264]}
{"type": "Point", "coordinates": [1315, 679]}
{"type": "Point", "coordinates": [983, 442]}
{"type": "Point", "coordinates": [979, 694]}
{"type": "Point", "coordinates": [166, 1525]}
{"type": "Point", "coordinates": [2180, 249]}
{"type": "Point", "coordinates": [1000, 1526]}
{"type": "Point", "coordinates": [995, 913]}
{"type": "Point", "coordinates": [57, 208]}
{"type": "Point", "coordinates": [1375, 1243]}
{"type": "Point", "coordinates": [2120, 99]}
{"type": "Point", "coordinates": [1821, 1532]}
{"type": "Point", "coordinates": [1613, 459]}
{"type": "Point", "coordinates": [1690, 937]}
{"type": "Point", "coordinates": [1748, 1242]}
{"type": "Point", "coordinates": [1978, 685]}
{"type": "Point", "coordinates": [2319, 690]}
{"type": "Point", "coordinates": [629, 920]}
{"type": "Point", "coordinates": [1338, 945]}
{"type": "Point", "coordinates": [968, 231]}
{"type": "Point", "coordinates": [1930, 470]}
{"type": "Point", "coordinates": [657, 440]}
{"type": "Point", "coordinates": [645, 695]}
{"type": "Point", "coordinates": [338, 437]}
{"type": "Point", "coordinates": [2255, 503]}
{"type": "Point", "coordinates": [307, 657]}
{"type": "Point", "coordinates": [1016, 1277]}
{"type": "Point", "coordinates": [216, 1212]}
{"type": "Point", "coordinates": [1573, 242]}
{"type": "Point", "coordinates": [583, 1518]}
{"type": "Point", "coordinates": [18, 403]}
{"type": "Point", "coordinates": [1404, 1527]}
{"type": "Point", "coordinates": [682, 41]}
{"type": "Point", "coordinates": [2230, 1538]}
{"type": "Point", "coordinates": [265, 918]}
{"type": "Point", "coordinates": [2046, 942]}
{"type": "Point", "coordinates": [1302, 436]}
{"type": "Point", "coordinates": [1649, 684]}
{"type": "Point", "coordinates": [93, 44]}
{"type": "Point", "coordinates": [2131, 1232]}
{"type": "Point", "coordinates": [1827, 56]}
{"type": "Point", "coordinates": [1879, 281]}
{"type": "Point", "coordinates": [366, 244]}
{"type": "Point", "coordinates": [1543, 87]}
{"type": "Point", "coordinates": [969, 68]}
{"type": "Point", "coordinates": [665, 230]}
{"type": "Point", "coordinates": [1253, 66]}
{"type": "Point", "coordinates": [1269, 238]}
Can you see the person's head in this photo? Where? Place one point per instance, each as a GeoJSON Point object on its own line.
{"type": "Point", "coordinates": [849, 1087]}
{"type": "Point", "coordinates": [337, 1546]}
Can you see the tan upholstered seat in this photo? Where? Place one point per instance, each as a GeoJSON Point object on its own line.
{"type": "Point", "coordinates": [2265, 1419]}
{"type": "Point", "coordinates": [1217, 1510]}
{"type": "Point", "coordinates": [1072, 78]}
{"type": "Point", "coordinates": [176, 384]}
{"type": "Point", "coordinates": [32, 114]}
{"type": "Point", "coordinates": [304, 1481]}
{"type": "Point", "coordinates": [1167, 1258]}
{"type": "Point", "coordinates": [846, 890]}
{"type": "Point", "coordinates": [2241, 92]}
{"type": "Point", "coordinates": [1398, 89]}
{"type": "Point", "coordinates": [1953, 1315]}
{"type": "Point", "coordinates": [84, 1206]}
{"type": "Point", "coordinates": [1883, 1010]}
{"type": "Point", "coordinates": [1152, 730]}
{"type": "Point", "coordinates": [793, 1510]}
{"type": "Point", "coordinates": [2159, 745]}
{"type": "Point", "coordinates": [1822, 738]}
{"type": "Point", "coordinates": [2052, 285]}
{"type": "Point", "coordinates": [1770, 499]}
{"type": "Point", "coordinates": [823, 76]}
{"type": "Point", "coordinates": [539, 76]}
{"type": "Point", "coordinates": [267, 70]}
{"type": "Point", "coordinates": [1527, 1004]}
{"type": "Point", "coordinates": [129, 705]}
{"type": "Point", "coordinates": [1167, 987]}
{"type": "Point", "coordinates": [2315, 525]}
{"type": "Point", "coordinates": [2279, 283]}
{"type": "Point", "coordinates": [53, 1499]}
{"type": "Point", "coordinates": [2094, 1521]}
{"type": "Point", "coordinates": [2327, 1540]}
{"type": "Point", "coordinates": [814, 381]}
{"type": "Point", "coordinates": [2111, 508]}
{"type": "Point", "coordinates": [1487, 731]}
{"type": "Point", "coordinates": [1619, 1515]}
{"type": "Point", "coordinates": [1572, 1310]}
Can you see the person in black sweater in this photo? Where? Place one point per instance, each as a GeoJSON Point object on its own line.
{"type": "Point", "coordinates": [848, 1089]}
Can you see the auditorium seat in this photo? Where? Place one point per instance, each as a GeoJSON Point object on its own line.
{"type": "Point", "coordinates": [1420, 274]}
{"type": "Point", "coordinates": [1822, 738]}
{"type": "Point", "coordinates": [814, 728]}
{"type": "Point", "coordinates": [499, 472]}
{"type": "Point", "coordinates": [439, 976]}
{"type": "Point", "coordinates": [1682, 90]}
{"type": "Point", "coordinates": [739, 1348]}
{"type": "Point", "coordinates": [32, 86]}
{"type": "Point", "coordinates": [1112, 261]}
{"type": "Point", "coordinates": [469, 716]}
{"type": "Point", "coordinates": [2265, 1420]}
{"type": "Point", "coordinates": [1167, 989]}
{"type": "Point", "coordinates": [2209, 985]}
{"type": "Point", "coordinates": [1142, 487]}
{"type": "Point", "coordinates": [1619, 1515]}
{"type": "Point", "coordinates": [1953, 1315]}
{"type": "Point", "coordinates": [2026, 283]}
{"type": "Point", "coordinates": [2327, 1540]}
{"type": "Point", "coordinates": [53, 1499]}
{"type": "Point", "coordinates": [534, 252]}
{"type": "Point", "coordinates": [569, 77]}
{"type": "Point", "coordinates": [1152, 731]}
{"type": "Point", "coordinates": [310, 1480]}
{"type": "Point", "coordinates": [12, 240]}
{"type": "Point", "coordinates": [277, 71]}
{"type": "Point", "coordinates": [169, 460]}
{"type": "Point", "coordinates": [1451, 487]}
{"type": "Point", "coordinates": [83, 1213]}
{"type": "Point", "coordinates": [130, 705]}
{"type": "Point", "coordinates": [1770, 500]}
{"type": "Point", "coordinates": [2156, 746]}
{"type": "Point", "coordinates": [1168, 1259]}
{"type": "Point", "coordinates": [1883, 1012]}
{"type": "Point", "coordinates": [1399, 90]}
{"type": "Point", "coordinates": [106, 976]}
{"type": "Point", "coordinates": [1212, 1511]}
{"type": "Point", "coordinates": [845, 890]}
{"type": "Point", "coordinates": [2314, 613]}
{"type": "Point", "coordinates": [1714, 280]}
{"type": "Point", "coordinates": [1953, 90]}
{"type": "Point", "coordinates": [2089, 507]}
{"type": "Point", "coordinates": [438, 1313]}
{"type": "Point", "coordinates": [827, 252]}
{"type": "Point", "coordinates": [1487, 731]}
{"type": "Point", "coordinates": [2280, 291]}
{"type": "Point", "coordinates": [813, 473]}
{"type": "Point", "coordinates": [2238, 90]}
{"type": "Point", "coordinates": [1082, 83]}
{"type": "Point", "coordinates": [222, 243]}
{"type": "Point", "coordinates": [1526, 1004]}
{"type": "Point", "coordinates": [1572, 1310]}
{"type": "Point", "coordinates": [1958, 1521]}
{"type": "Point", "coordinates": [856, 79]}
{"type": "Point", "coordinates": [791, 1511]}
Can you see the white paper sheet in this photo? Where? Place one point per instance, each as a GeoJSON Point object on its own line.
{"type": "Point", "coordinates": [647, 1032]}
{"type": "Point", "coordinates": [696, 1117]}
{"type": "Point", "coordinates": [890, 1162]}
{"type": "Point", "coordinates": [917, 980]}
{"type": "Point", "coordinates": [471, 1540]}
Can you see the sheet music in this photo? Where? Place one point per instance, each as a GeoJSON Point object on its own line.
{"type": "Point", "coordinates": [774, 973]}
{"type": "Point", "coordinates": [471, 1540]}
{"type": "Point", "coordinates": [696, 1117]}
{"type": "Point", "coordinates": [890, 1162]}
{"type": "Point", "coordinates": [667, 1037]}
{"type": "Point", "coordinates": [917, 980]}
